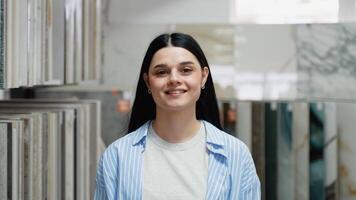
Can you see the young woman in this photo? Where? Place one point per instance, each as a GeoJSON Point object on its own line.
{"type": "Point", "coordinates": [175, 149]}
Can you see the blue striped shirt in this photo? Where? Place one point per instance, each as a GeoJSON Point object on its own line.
{"type": "Point", "coordinates": [231, 170]}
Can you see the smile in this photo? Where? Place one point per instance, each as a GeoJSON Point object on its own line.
{"type": "Point", "coordinates": [175, 91]}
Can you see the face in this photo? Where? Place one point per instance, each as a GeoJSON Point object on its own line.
{"type": "Point", "coordinates": [175, 78]}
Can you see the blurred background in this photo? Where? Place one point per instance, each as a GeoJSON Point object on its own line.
{"type": "Point", "coordinates": [284, 73]}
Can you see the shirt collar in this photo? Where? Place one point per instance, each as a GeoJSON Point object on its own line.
{"type": "Point", "coordinates": [141, 134]}
{"type": "Point", "coordinates": [214, 137]}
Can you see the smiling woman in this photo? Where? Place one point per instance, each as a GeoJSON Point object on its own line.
{"type": "Point", "coordinates": [175, 79]}
{"type": "Point", "coordinates": [175, 148]}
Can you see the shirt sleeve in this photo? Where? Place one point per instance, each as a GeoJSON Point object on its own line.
{"type": "Point", "coordinates": [106, 175]}
{"type": "Point", "coordinates": [100, 193]}
{"type": "Point", "coordinates": [251, 189]}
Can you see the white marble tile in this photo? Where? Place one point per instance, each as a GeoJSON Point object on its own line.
{"type": "Point", "coordinates": [301, 150]}
{"type": "Point", "coordinates": [346, 115]}
{"type": "Point", "coordinates": [331, 148]}
{"type": "Point", "coordinates": [326, 60]}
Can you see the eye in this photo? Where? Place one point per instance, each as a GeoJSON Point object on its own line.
{"type": "Point", "coordinates": [187, 70]}
{"type": "Point", "coordinates": [160, 72]}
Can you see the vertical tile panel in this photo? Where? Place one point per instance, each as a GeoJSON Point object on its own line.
{"type": "Point", "coordinates": [258, 141]}
{"type": "Point", "coordinates": [300, 129]}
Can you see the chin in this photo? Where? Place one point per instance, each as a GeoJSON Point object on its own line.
{"type": "Point", "coordinates": [175, 107]}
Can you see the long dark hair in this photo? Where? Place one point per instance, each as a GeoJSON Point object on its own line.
{"type": "Point", "coordinates": [144, 108]}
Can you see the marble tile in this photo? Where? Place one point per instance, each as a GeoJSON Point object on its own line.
{"type": "Point", "coordinates": [285, 155]}
{"type": "Point", "coordinates": [316, 153]}
{"type": "Point", "coordinates": [301, 150]}
{"type": "Point", "coordinates": [326, 55]}
{"type": "Point", "coordinates": [331, 150]}
{"type": "Point", "coordinates": [346, 115]}
{"type": "Point", "coordinates": [38, 152]}
{"type": "Point", "coordinates": [244, 123]}
{"type": "Point", "coordinates": [69, 154]}
{"type": "Point", "coordinates": [3, 160]}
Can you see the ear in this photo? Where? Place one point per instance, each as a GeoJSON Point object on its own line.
{"type": "Point", "coordinates": [205, 73]}
{"type": "Point", "coordinates": [145, 78]}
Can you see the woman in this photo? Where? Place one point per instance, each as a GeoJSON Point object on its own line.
{"type": "Point", "coordinates": [175, 148]}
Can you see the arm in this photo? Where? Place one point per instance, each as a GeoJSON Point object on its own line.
{"type": "Point", "coordinates": [100, 193]}
{"type": "Point", "coordinates": [106, 177]}
{"type": "Point", "coordinates": [251, 189]}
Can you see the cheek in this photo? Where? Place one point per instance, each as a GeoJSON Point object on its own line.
{"type": "Point", "coordinates": [196, 87]}
{"type": "Point", "coordinates": [155, 83]}
{"type": "Point", "coordinates": [196, 82]}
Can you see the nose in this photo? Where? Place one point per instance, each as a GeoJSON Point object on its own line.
{"type": "Point", "coordinates": [174, 78]}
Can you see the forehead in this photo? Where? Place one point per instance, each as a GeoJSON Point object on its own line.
{"type": "Point", "coordinates": [173, 56]}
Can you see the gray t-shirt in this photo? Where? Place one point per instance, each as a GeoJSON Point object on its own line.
{"type": "Point", "coordinates": [175, 171]}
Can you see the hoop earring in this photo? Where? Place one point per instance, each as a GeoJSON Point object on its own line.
{"type": "Point", "coordinates": [149, 91]}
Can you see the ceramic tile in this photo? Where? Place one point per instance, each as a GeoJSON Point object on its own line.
{"type": "Point", "coordinates": [326, 60]}
{"type": "Point", "coordinates": [301, 149]}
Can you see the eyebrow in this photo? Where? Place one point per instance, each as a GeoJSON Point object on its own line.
{"type": "Point", "coordinates": [165, 65]}
{"type": "Point", "coordinates": [186, 63]}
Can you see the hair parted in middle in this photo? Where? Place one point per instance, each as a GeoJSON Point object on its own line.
{"type": "Point", "coordinates": [144, 107]}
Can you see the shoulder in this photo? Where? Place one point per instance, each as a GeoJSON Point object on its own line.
{"type": "Point", "coordinates": [115, 155]}
{"type": "Point", "coordinates": [126, 143]}
{"type": "Point", "coordinates": [238, 159]}
{"type": "Point", "coordinates": [237, 154]}
{"type": "Point", "coordinates": [233, 146]}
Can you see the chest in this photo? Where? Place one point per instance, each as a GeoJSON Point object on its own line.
{"type": "Point", "coordinates": [131, 180]}
{"type": "Point", "coordinates": [174, 173]}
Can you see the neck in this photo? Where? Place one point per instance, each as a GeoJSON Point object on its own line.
{"type": "Point", "coordinates": [176, 126]}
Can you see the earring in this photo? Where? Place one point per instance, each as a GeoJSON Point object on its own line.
{"type": "Point", "coordinates": [203, 87]}
{"type": "Point", "coordinates": [149, 91]}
